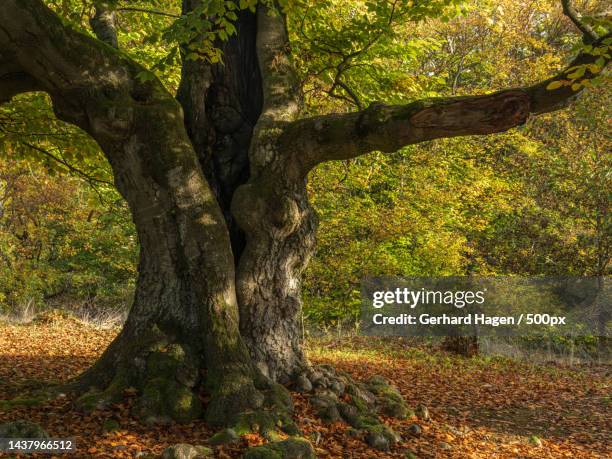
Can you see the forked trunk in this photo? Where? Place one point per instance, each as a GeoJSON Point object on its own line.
{"type": "Point", "coordinates": [271, 245]}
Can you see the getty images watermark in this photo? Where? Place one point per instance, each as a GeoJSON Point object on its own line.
{"type": "Point", "coordinates": [486, 306]}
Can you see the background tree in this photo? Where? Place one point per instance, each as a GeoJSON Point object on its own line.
{"type": "Point", "coordinates": [219, 196]}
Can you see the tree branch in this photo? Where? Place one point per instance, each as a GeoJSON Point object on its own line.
{"type": "Point", "coordinates": [13, 80]}
{"type": "Point", "coordinates": [104, 23]}
{"type": "Point", "coordinates": [388, 128]}
{"type": "Point", "coordinates": [144, 10]}
{"type": "Point", "coordinates": [92, 181]}
{"type": "Point", "coordinates": [281, 94]}
{"type": "Point", "coordinates": [587, 31]}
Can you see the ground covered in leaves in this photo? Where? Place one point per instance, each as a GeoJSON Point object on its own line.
{"type": "Point", "coordinates": [480, 407]}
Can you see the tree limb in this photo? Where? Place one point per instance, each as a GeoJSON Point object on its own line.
{"type": "Point", "coordinates": [281, 94]}
{"type": "Point", "coordinates": [13, 80]}
{"type": "Point", "coordinates": [587, 31]}
{"type": "Point", "coordinates": [148, 11]}
{"type": "Point", "coordinates": [104, 23]}
{"type": "Point", "coordinates": [73, 169]}
{"type": "Point", "coordinates": [388, 128]}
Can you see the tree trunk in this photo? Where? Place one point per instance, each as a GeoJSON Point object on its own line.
{"type": "Point", "coordinates": [280, 226]}
{"type": "Point", "coordinates": [223, 104]}
{"type": "Point", "coordinates": [182, 335]}
{"type": "Point", "coordinates": [185, 317]}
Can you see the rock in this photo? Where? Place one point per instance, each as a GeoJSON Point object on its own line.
{"type": "Point", "coordinates": [185, 451]}
{"type": "Point", "coordinates": [348, 412]}
{"type": "Point", "coordinates": [362, 399]}
{"type": "Point", "coordinates": [303, 384]}
{"type": "Point", "coordinates": [409, 454]}
{"type": "Point", "coordinates": [394, 407]}
{"type": "Point", "coordinates": [415, 430]}
{"type": "Point", "coordinates": [337, 387]}
{"type": "Point", "coordinates": [422, 413]}
{"type": "Point", "coordinates": [321, 402]}
{"type": "Point", "coordinates": [535, 441]}
{"type": "Point", "coordinates": [377, 440]}
{"type": "Point", "coordinates": [329, 413]}
{"type": "Point", "coordinates": [315, 376]}
{"type": "Point", "coordinates": [22, 429]}
{"type": "Point", "coordinates": [444, 445]}
{"type": "Point", "coordinates": [224, 437]}
{"type": "Point", "coordinates": [292, 448]}
{"type": "Point", "coordinates": [322, 382]}
{"type": "Point", "coordinates": [110, 425]}
{"type": "Point", "coordinates": [324, 393]}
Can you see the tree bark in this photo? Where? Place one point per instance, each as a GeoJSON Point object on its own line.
{"type": "Point", "coordinates": [272, 209]}
{"type": "Point", "coordinates": [182, 332]}
{"type": "Point", "coordinates": [222, 103]}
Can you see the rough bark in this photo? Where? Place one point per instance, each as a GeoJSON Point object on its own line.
{"type": "Point", "coordinates": [182, 331]}
{"type": "Point", "coordinates": [272, 209]}
{"type": "Point", "coordinates": [222, 103]}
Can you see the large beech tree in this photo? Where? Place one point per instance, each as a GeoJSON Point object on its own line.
{"type": "Point", "coordinates": [216, 182]}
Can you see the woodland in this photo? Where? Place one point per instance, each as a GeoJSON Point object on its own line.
{"type": "Point", "coordinates": [192, 191]}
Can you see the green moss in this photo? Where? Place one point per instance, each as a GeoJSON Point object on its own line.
{"type": "Point", "coordinates": [279, 396]}
{"type": "Point", "coordinates": [183, 404]}
{"type": "Point", "coordinates": [224, 437]}
{"type": "Point", "coordinates": [294, 447]}
{"type": "Point", "coordinates": [6, 405]}
{"type": "Point", "coordinates": [110, 425]}
{"type": "Point", "coordinates": [388, 399]}
{"type": "Point", "coordinates": [256, 421]}
{"type": "Point", "coordinates": [163, 397]}
{"type": "Point", "coordinates": [385, 431]}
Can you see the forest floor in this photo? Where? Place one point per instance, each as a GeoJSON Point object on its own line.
{"type": "Point", "coordinates": [480, 407]}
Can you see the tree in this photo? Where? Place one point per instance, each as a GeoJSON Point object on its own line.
{"type": "Point", "coordinates": [216, 182]}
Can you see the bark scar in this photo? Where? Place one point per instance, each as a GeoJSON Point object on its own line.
{"type": "Point", "coordinates": [480, 114]}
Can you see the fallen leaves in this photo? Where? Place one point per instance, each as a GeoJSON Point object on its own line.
{"type": "Point", "coordinates": [480, 408]}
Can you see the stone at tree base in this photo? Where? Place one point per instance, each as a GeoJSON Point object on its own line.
{"type": "Point", "coordinates": [303, 384]}
{"type": "Point", "coordinates": [422, 413]}
{"type": "Point", "coordinates": [325, 403]}
{"type": "Point", "coordinates": [224, 437]}
{"type": "Point", "coordinates": [22, 429]}
{"type": "Point", "coordinates": [185, 451]}
{"type": "Point", "coordinates": [292, 448]}
{"type": "Point", "coordinates": [377, 440]}
{"type": "Point", "coordinates": [415, 430]}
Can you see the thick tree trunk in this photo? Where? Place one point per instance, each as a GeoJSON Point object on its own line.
{"type": "Point", "coordinates": [222, 105]}
{"type": "Point", "coordinates": [280, 226]}
{"type": "Point", "coordinates": [184, 318]}
{"type": "Point", "coordinates": [182, 334]}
